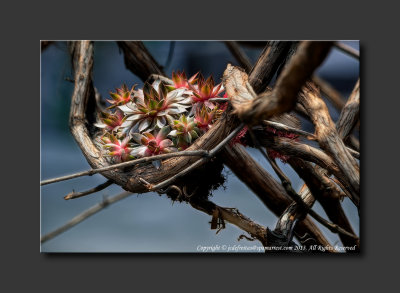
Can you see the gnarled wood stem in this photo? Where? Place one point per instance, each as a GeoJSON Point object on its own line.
{"type": "Point", "coordinates": [329, 139]}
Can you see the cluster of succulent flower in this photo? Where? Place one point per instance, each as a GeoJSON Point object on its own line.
{"type": "Point", "coordinates": [160, 118]}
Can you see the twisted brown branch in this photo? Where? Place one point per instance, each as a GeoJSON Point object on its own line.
{"type": "Point", "coordinates": [268, 190]}
{"type": "Point", "coordinates": [350, 114]}
{"type": "Point", "coordinates": [234, 217]}
{"type": "Point", "coordinates": [284, 95]}
{"type": "Point", "coordinates": [338, 102]}
{"type": "Point", "coordinates": [327, 194]}
{"type": "Point", "coordinates": [308, 135]}
{"type": "Point", "coordinates": [329, 139]}
{"type": "Point", "coordinates": [139, 60]}
{"type": "Point", "coordinates": [300, 207]}
{"type": "Point", "coordinates": [272, 57]}
{"type": "Point", "coordinates": [332, 94]}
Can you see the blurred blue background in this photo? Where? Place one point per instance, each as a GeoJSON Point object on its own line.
{"type": "Point", "coordinates": [148, 222]}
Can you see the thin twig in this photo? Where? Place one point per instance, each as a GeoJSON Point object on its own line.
{"type": "Point", "coordinates": [331, 226]}
{"type": "Point", "coordinates": [84, 215]}
{"type": "Point", "coordinates": [348, 50]}
{"type": "Point", "coordinates": [280, 126]}
{"type": "Point", "coordinates": [126, 164]}
{"type": "Point", "coordinates": [219, 100]}
{"type": "Point", "coordinates": [354, 153]}
{"type": "Point", "coordinates": [231, 215]}
{"type": "Point", "coordinates": [100, 187]}
{"type": "Point", "coordinates": [284, 179]}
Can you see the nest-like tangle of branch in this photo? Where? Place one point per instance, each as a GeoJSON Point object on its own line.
{"type": "Point", "coordinates": [144, 177]}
